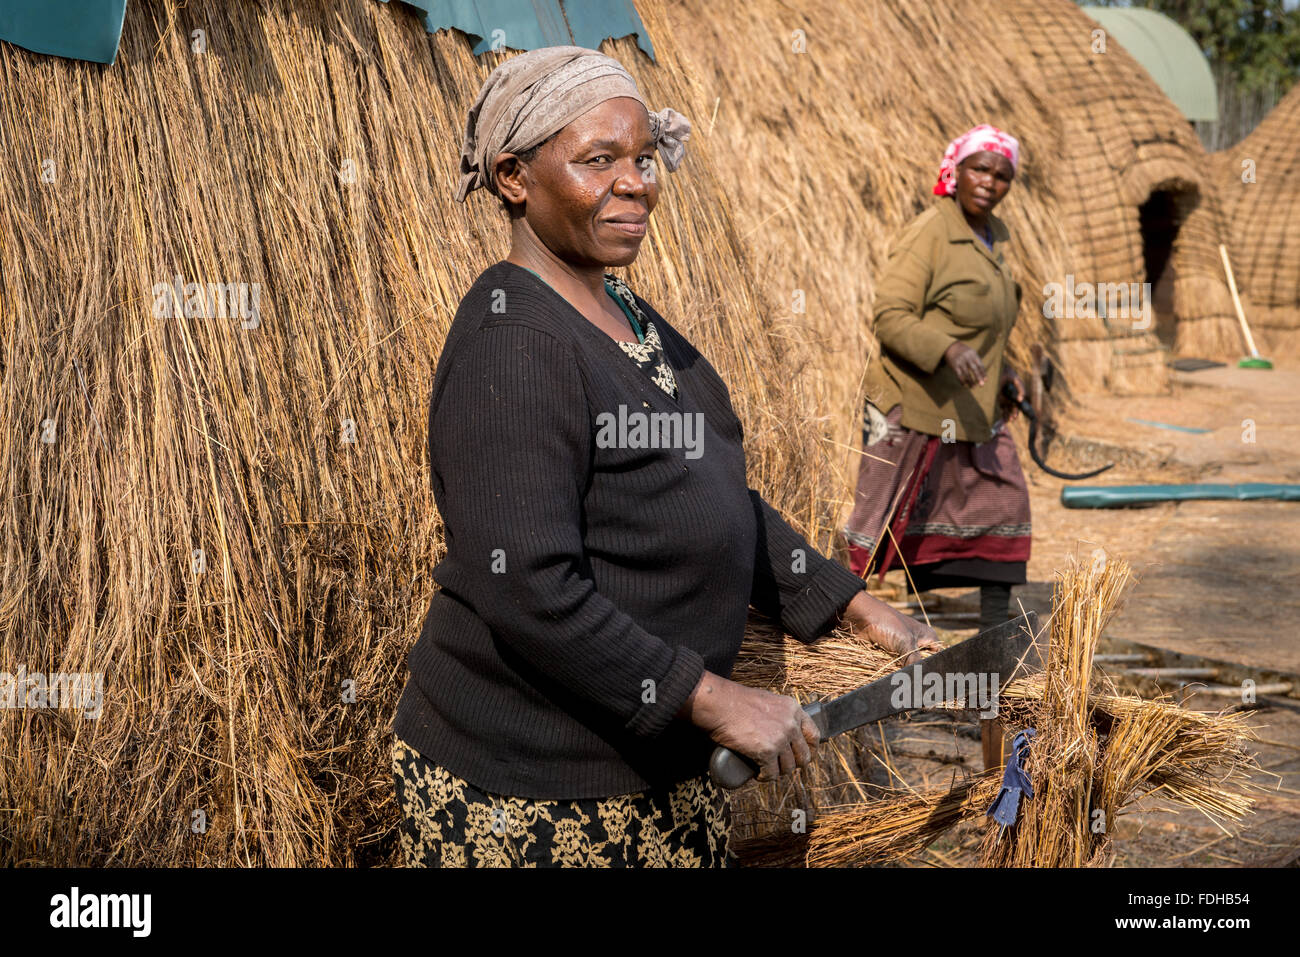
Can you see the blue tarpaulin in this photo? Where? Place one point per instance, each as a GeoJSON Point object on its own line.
{"type": "Point", "coordinates": [92, 29]}
{"type": "Point", "coordinates": [594, 20]}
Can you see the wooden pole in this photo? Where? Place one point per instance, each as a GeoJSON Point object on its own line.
{"type": "Point", "coordinates": [993, 741]}
{"type": "Point", "coordinates": [1236, 302]}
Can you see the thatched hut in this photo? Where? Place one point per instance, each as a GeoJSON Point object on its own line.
{"type": "Point", "coordinates": [1257, 181]}
{"type": "Point", "coordinates": [1138, 195]}
{"type": "Point", "coordinates": [229, 516]}
{"type": "Point", "coordinates": [832, 118]}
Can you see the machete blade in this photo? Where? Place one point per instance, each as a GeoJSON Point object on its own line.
{"type": "Point", "coordinates": [980, 666]}
{"type": "Point", "coordinates": [972, 671]}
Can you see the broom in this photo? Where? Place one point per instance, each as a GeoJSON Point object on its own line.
{"type": "Point", "coordinates": [1254, 360]}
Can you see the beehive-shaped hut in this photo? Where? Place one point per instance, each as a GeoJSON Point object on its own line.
{"type": "Point", "coordinates": [230, 520]}
{"type": "Point", "coordinates": [1140, 203]}
{"type": "Point", "coordinates": [831, 119]}
{"type": "Point", "coordinates": [1257, 179]}
{"type": "Point", "coordinates": [229, 517]}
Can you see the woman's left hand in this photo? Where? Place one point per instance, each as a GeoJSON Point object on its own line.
{"type": "Point", "coordinates": [1009, 375]}
{"type": "Point", "coordinates": [890, 629]}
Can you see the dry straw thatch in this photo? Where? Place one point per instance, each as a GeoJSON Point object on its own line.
{"type": "Point", "coordinates": [1257, 178]}
{"type": "Point", "coordinates": [1096, 753]}
{"type": "Point", "coordinates": [311, 150]}
{"type": "Point", "coordinates": [831, 150]}
{"type": "Point", "coordinates": [187, 514]}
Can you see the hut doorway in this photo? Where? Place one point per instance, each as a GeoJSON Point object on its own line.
{"type": "Point", "coordinates": [1160, 218]}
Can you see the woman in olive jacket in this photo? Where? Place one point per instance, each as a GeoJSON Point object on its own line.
{"type": "Point", "coordinates": [941, 481]}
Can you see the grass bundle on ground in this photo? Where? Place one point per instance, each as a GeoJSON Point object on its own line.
{"type": "Point", "coordinates": [873, 832]}
{"type": "Point", "coordinates": [1096, 753]}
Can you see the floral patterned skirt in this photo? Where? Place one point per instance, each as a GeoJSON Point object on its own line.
{"type": "Point", "coordinates": [447, 822]}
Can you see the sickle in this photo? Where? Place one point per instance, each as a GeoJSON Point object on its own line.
{"type": "Point", "coordinates": [1009, 391]}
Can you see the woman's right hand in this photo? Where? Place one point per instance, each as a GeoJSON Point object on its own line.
{"type": "Point", "coordinates": [771, 730]}
{"type": "Point", "coordinates": [965, 361]}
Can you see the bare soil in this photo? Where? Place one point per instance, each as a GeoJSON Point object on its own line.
{"type": "Point", "coordinates": [1217, 588]}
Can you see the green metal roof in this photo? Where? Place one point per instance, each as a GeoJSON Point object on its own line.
{"type": "Point", "coordinates": [1168, 53]}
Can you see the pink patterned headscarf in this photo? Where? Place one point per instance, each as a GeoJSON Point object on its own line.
{"type": "Point", "coordinates": [974, 141]}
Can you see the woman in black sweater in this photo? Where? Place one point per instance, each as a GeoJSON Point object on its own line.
{"type": "Point", "coordinates": [602, 544]}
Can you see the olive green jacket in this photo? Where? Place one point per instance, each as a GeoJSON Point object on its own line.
{"type": "Point", "coordinates": [942, 285]}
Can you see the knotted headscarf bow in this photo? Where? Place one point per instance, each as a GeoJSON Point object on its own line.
{"type": "Point", "coordinates": [535, 94]}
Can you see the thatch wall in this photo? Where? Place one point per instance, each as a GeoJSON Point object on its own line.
{"type": "Point", "coordinates": [137, 441]}
{"type": "Point", "coordinates": [832, 149]}
{"type": "Point", "coordinates": [1121, 140]}
{"type": "Point", "coordinates": [1257, 179]}
{"type": "Point", "coordinates": [234, 524]}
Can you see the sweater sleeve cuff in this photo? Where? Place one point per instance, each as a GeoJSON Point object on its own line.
{"type": "Point", "coordinates": [669, 694]}
{"type": "Point", "coordinates": [816, 609]}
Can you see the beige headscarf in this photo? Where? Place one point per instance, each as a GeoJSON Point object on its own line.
{"type": "Point", "coordinates": [538, 93]}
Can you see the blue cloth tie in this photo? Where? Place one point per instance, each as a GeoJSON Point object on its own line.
{"type": "Point", "coordinates": [1015, 782]}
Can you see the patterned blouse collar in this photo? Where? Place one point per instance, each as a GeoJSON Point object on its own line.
{"type": "Point", "coordinates": [649, 353]}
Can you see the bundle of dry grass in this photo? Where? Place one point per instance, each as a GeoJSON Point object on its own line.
{"type": "Point", "coordinates": [230, 518]}
{"type": "Point", "coordinates": [1256, 178]}
{"type": "Point", "coordinates": [873, 832]}
{"type": "Point", "coordinates": [1096, 753]}
{"type": "Point", "coordinates": [836, 664]}
{"type": "Point", "coordinates": [1181, 752]}
{"type": "Point", "coordinates": [853, 767]}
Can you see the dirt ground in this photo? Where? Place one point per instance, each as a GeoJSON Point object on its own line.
{"type": "Point", "coordinates": [1217, 589]}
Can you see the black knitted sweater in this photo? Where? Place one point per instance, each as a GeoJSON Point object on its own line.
{"type": "Point", "coordinates": [590, 576]}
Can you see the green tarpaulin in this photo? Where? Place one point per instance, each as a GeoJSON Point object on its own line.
{"type": "Point", "coordinates": [1118, 496]}
{"type": "Point", "coordinates": [529, 24]}
{"type": "Point", "coordinates": [81, 29]}
{"type": "Point", "coordinates": [1168, 53]}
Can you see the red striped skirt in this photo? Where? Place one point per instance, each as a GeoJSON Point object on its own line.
{"type": "Point", "coordinates": [956, 510]}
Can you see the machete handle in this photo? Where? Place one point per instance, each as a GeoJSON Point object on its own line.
{"type": "Point", "coordinates": [1009, 393]}
{"type": "Point", "coordinates": [731, 770]}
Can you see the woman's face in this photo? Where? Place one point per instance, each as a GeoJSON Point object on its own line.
{"type": "Point", "coordinates": [982, 180]}
{"type": "Point", "coordinates": [589, 192]}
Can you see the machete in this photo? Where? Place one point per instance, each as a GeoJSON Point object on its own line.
{"type": "Point", "coordinates": [998, 655]}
